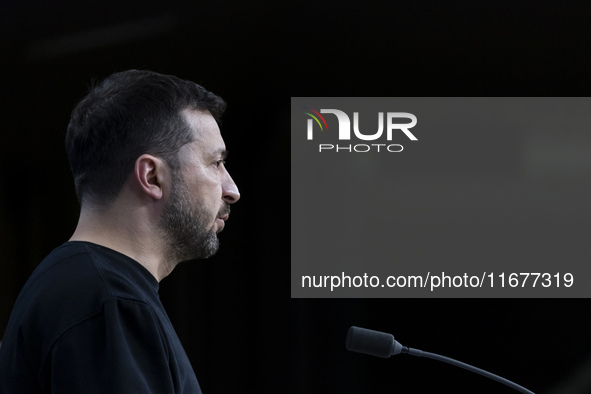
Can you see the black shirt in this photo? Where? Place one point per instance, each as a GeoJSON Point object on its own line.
{"type": "Point", "coordinates": [89, 320]}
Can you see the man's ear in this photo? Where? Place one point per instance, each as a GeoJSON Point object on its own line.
{"type": "Point", "coordinates": [151, 174]}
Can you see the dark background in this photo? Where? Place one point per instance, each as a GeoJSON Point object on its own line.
{"type": "Point", "coordinates": [233, 312]}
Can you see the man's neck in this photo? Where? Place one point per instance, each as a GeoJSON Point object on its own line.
{"type": "Point", "coordinates": [127, 233]}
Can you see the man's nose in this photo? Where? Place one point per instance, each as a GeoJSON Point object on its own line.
{"type": "Point", "coordinates": [230, 193]}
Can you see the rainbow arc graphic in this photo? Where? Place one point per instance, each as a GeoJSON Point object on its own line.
{"type": "Point", "coordinates": [316, 118]}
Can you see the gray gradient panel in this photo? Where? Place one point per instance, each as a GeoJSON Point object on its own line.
{"type": "Point", "coordinates": [492, 199]}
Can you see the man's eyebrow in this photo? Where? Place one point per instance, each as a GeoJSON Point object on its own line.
{"type": "Point", "coordinates": [221, 152]}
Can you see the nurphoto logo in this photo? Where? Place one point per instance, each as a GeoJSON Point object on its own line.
{"type": "Point", "coordinates": [344, 130]}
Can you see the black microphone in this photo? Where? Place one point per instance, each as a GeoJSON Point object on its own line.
{"type": "Point", "coordinates": [374, 343]}
{"type": "Point", "coordinates": [381, 344]}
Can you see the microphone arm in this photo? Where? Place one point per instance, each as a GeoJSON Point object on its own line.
{"type": "Point", "coordinates": [420, 353]}
{"type": "Point", "coordinates": [384, 345]}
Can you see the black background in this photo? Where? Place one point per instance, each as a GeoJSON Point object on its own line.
{"type": "Point", "coordinates": [233, 312]}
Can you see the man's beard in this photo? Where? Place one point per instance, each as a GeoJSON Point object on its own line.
{"type": "Point", "coordinates": [186, 236]}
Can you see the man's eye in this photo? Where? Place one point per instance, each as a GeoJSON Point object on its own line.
{"type": "Point", "coordinates": [219, 162]}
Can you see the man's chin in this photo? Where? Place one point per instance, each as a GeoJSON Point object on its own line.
{"type": "Point", "coordinates": [206, 247]}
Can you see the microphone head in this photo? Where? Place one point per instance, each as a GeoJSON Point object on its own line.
{"type": "Point", "coordinates": [372, 342]}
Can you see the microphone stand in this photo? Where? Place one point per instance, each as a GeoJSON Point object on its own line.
{"type": "Point", "coordinates": [384, 345]}
{"type": "Point", "coordinates": [420, 353]}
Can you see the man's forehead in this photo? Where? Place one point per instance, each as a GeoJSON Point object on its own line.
{"type": "Point", "coordinates": [201, 122]}
{"type": "Point", "coordinates": [206, 131]}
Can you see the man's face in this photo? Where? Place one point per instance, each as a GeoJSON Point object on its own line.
{"type": "Point", "coordinates": [201, 192]}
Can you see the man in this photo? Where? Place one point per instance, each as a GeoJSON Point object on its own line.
{"type": "Point", "coordinates": [148, 163]}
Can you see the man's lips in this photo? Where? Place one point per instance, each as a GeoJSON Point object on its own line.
{"type": "Point", "coordinates": [224, 213]}
{"type": "Point", "coordinates": [222, 217]}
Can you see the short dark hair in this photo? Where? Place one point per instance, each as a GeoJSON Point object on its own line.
{"type": "Point", "coordinates": [128, 114]}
